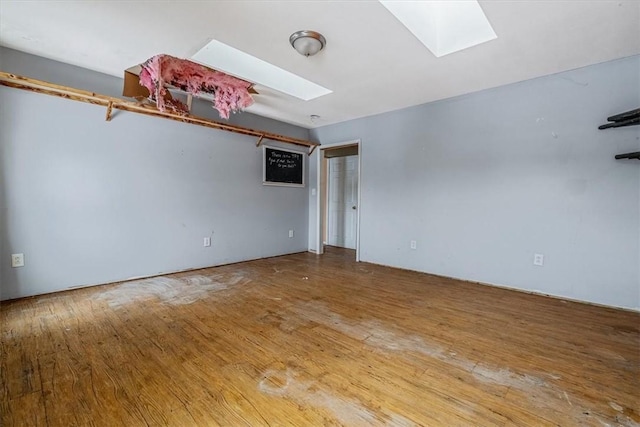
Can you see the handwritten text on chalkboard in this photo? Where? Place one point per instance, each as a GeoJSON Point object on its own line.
{"type": "Point", "coordinates": [283, 160]}
{"type": "Point", "coordinates": [283, 167]}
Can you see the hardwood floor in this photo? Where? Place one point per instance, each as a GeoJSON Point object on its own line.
{"type": "Point", "coordinates": [304, 340]}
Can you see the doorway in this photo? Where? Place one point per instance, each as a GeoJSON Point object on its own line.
{"type": "Point", "coordinates": [342, 201]}
{"type": "Point", "coordinates": [339, 196]}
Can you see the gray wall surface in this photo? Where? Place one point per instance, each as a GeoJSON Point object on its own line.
{"type": "Point", "coordinates": [484, 181]}
{"type": "Point", "coordinates": [89, 201]}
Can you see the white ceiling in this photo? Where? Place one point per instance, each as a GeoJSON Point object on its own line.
{"type": "Point", "coordinates": [371, 62]}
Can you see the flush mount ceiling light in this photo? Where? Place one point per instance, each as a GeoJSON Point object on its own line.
{"type": "Point", "coordinates": [307, 42]}
{"type": "Point", "coordinates": [230, 60]}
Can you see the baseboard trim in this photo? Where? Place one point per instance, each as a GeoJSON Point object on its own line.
{"type": "Point", "coordinates": [508, 288]}
{"type": "Point", "coordinates": [150, 276]}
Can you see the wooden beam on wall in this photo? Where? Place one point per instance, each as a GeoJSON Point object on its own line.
{"type": "Point", "coordinates": [39, 86]}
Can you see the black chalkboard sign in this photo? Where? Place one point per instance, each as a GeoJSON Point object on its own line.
{"type": "Point", "coordinates": [283, 167]}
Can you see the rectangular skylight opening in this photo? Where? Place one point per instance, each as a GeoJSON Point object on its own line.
{"type": "Point", "coordinates": [443, 27]}
{"type": "Point", "coordinates": [232, 61]}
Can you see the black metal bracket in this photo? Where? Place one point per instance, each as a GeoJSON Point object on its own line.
{"type": "Point", "coordinates": [634, 155]}
{"type": "Point", "coordinates": [628, 118]}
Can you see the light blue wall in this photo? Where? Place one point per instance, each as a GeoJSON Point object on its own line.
{"type": "Point", "coordinates": [486, 180]}
{"type": "Point", "coordinates": [89, 201]}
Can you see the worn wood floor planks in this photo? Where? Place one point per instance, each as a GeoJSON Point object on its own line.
{"type": "Point", "coordinates": [304, 340]}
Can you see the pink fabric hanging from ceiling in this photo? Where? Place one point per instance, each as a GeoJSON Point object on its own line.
{"type": "Point", "coordinates": [230, 93]}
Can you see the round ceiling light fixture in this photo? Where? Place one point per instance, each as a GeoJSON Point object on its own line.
{"type": "Point", "coordinates": [307, 42]}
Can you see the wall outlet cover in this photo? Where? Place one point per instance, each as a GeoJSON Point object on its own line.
{"type": "Point", "coordinates": [17, 260]}
{"type": "Point", "coordinates": [538, 259]}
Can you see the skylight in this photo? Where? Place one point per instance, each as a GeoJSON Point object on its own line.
{"type": "Point", "coordinates": [443, 27]}
{"type": "Point", "coordinates": [230, 60]}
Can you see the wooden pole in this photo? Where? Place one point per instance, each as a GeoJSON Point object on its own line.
{"type": "Point", "coordinates": [39, 86]}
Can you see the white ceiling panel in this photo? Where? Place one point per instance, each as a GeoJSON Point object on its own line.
{"type": "Point", "coordinates": [372, 63]}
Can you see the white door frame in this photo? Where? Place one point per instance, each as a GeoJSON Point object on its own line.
{"type": "Point", "coordinates": [320, 202]}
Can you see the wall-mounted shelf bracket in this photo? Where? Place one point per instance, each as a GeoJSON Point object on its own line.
{"type": "Point", "coordinates": [109, 109]}
{"type": "Point", "coordinates": [634, 155]}
{"type": "Point", "coordinates": [259, 143]}
{"type": "Point", "coordinates": [628, 118]}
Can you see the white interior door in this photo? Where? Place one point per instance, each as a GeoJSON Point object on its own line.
{"type": "Point", "coordinates": [343, 201]}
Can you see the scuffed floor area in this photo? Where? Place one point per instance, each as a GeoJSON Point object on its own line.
{"type": "Point", "coordinates": [306, 340]}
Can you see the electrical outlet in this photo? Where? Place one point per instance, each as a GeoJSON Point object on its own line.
{"type": "Point", "coordinates": [538, 259]}
{"type": "Point", "coordinates": [17, 260]}
{"type": "Point", "coordinates": [207, 242]}
{"type": "Point", "coordinates": [290, 233]}
{"type": "Point", "coordinates": [413, 245]}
